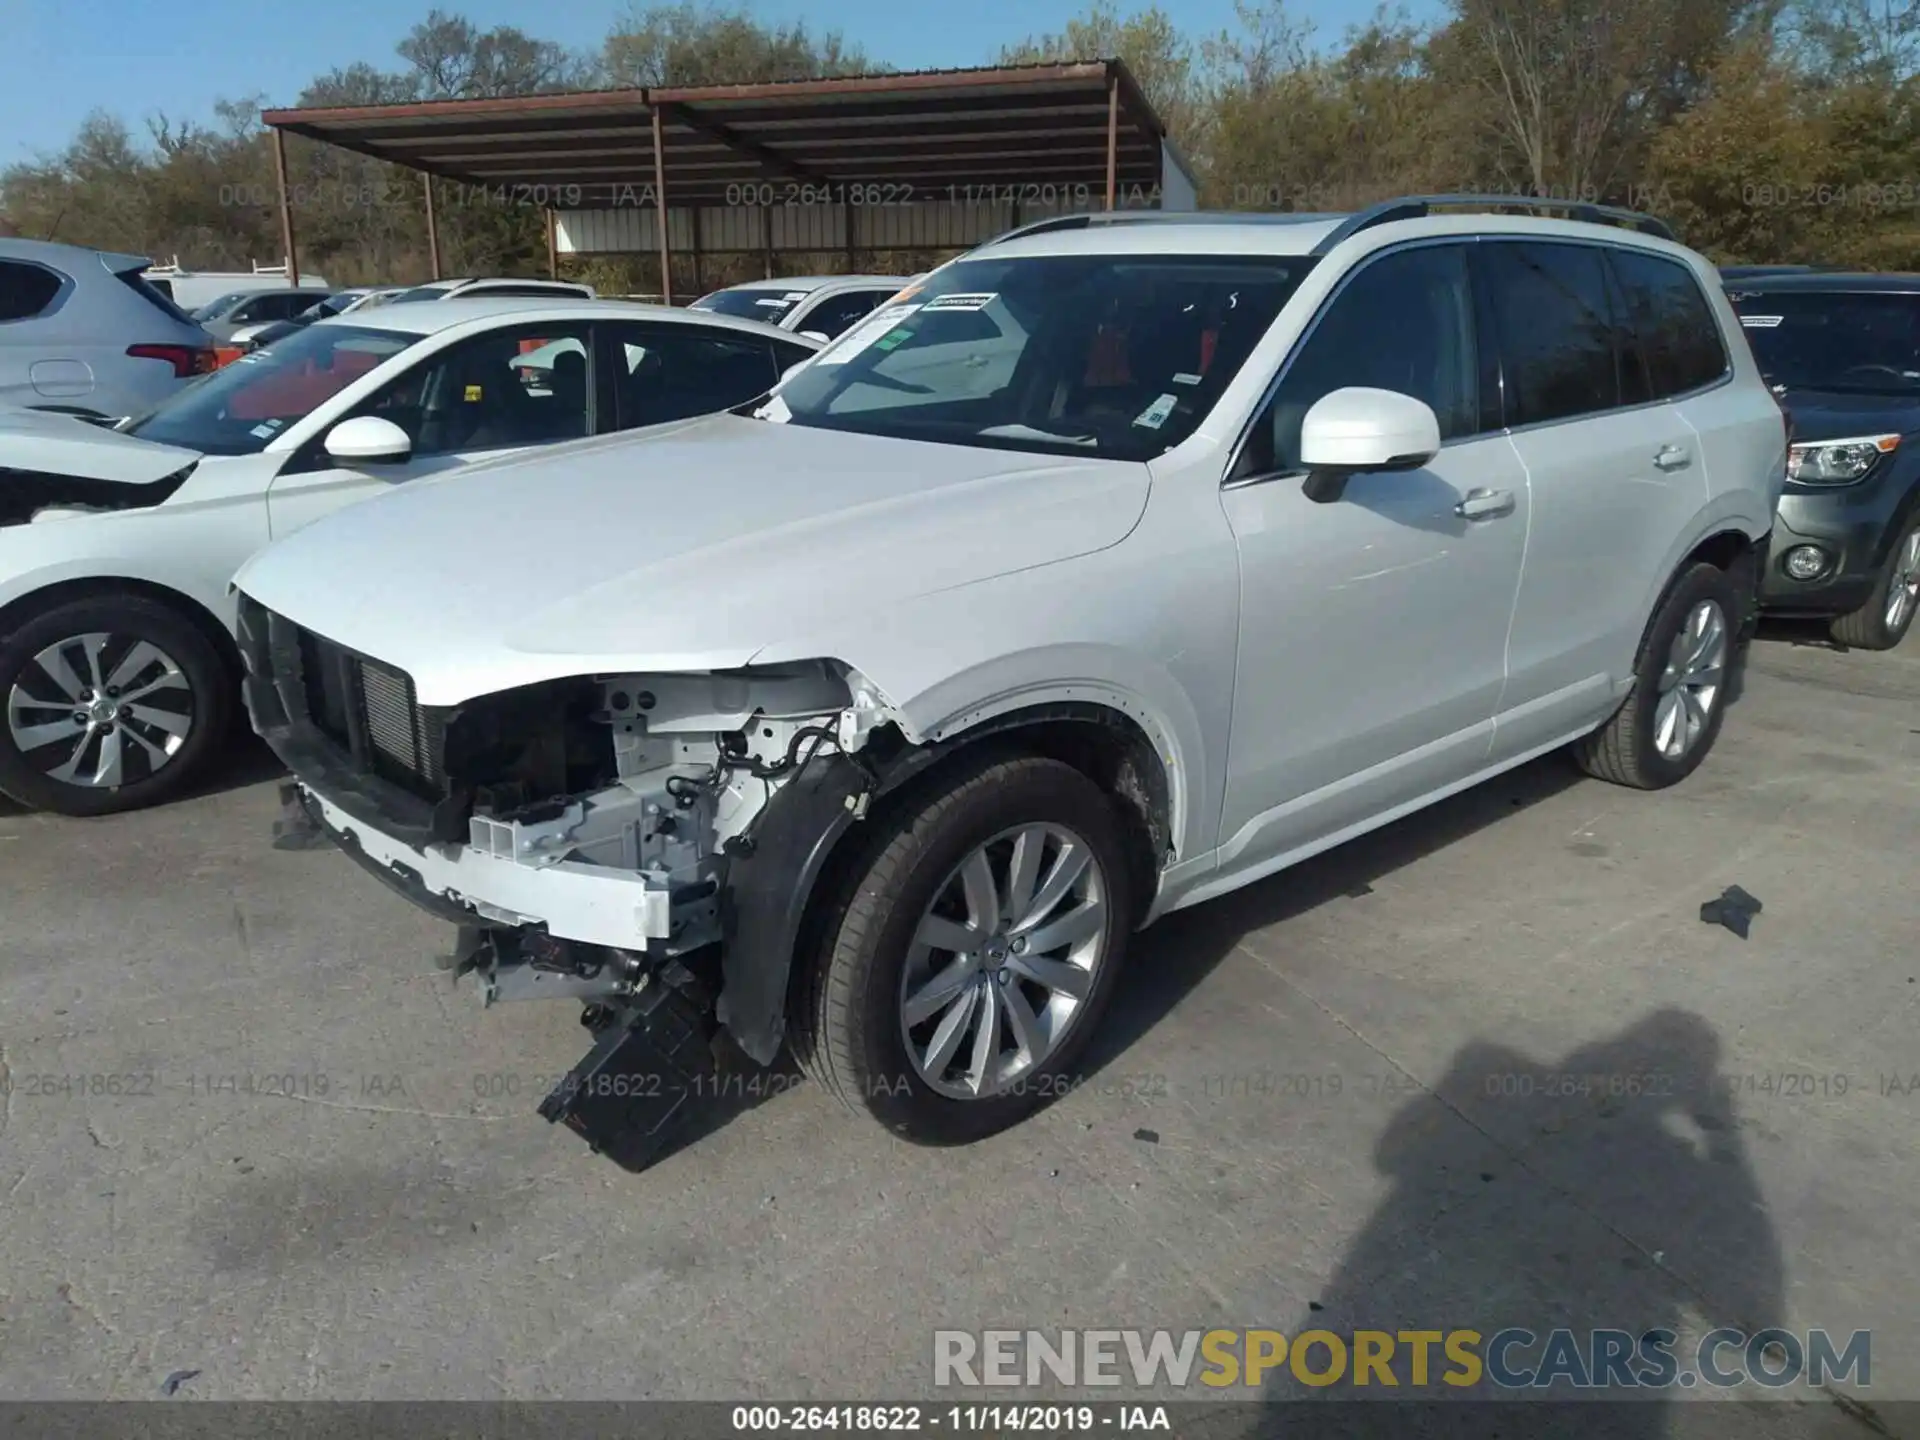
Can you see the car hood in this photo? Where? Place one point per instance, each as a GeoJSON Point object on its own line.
{"type": "Point", "coordinates": [688, 548]}
{"type": "Point", "coordinates": [52, 444]}
{"type": "Point", "coordinates": [1837, 414]}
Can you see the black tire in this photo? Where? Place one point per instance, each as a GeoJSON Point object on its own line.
{"type": "Point", "coordinates": [1867, 627]}
{"type": "Point", "coordinates": [847, 1030]}
{"type": "Point", "coordinates": [1624, 750]}
{"type": "Point", "coordinates": [205, 701]}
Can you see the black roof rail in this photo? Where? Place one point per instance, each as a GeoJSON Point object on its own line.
{"type": "Point", "coordinates": [1415, 207]}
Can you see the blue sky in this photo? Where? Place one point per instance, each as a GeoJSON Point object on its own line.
{"type": "Point", "coordinates": [60, 59]}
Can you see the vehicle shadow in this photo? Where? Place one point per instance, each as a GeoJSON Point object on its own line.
{"type": "Point", "coordinates": [1174, 956]}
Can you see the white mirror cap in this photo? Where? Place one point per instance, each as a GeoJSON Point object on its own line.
{"type": "Point", "coordinates": [1360, 428]}
{"type": "Point", "coordinates": [368, 438]}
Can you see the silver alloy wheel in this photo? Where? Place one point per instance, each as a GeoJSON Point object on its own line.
{"type": "Point", "coordinates": [100, 710]}
{"type": "Point", "coordinates": [1903, 590]}
{"type": "Point", "coordinates": [1690, 685]}
{"type": "Point", "coordinates": [1003, 960]}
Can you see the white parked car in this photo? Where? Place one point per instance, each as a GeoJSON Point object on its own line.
{"type": "Point", "coordinates": [1112, 567]}
{"type": "Point", "coordinates": [117, 666]}
{"type": "Point", "coordinates": [823, 306]}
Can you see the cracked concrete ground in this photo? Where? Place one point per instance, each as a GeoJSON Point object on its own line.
{"type": "Point", "coordinates": [333, 1184]}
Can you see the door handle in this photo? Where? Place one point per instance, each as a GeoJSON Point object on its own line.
{"type": "Point", "coordinates": [1672, 457]}
{"type": "Point", "coordinates": [1485, 504]}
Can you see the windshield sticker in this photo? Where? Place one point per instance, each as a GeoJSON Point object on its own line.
{"type": "Point", "coordinates": [1185, 379]}
{"type": "Point", "coordinates": [1155, 415]}
{"type": "Point", "coordinates": [961, 302]}
{"type": "Point", "coordinates": [1761, 322]}
{"type": "Point", "coordinates": [791, 296]}
{"type": "Point", "coordinates": [866, 334]}
{"type": "Point", "coordinates": [262, 432]}
{"type": "Point", "coordinates": [892, 339]}
{"type": "Point", "coordinates": [474, 392]}
{"type": "Point", "coordinates": [776, 302]}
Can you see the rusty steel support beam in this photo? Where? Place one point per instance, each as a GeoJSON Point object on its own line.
{"type": "Point", "coordinates": [286, 206]}
{"type": "Point", "coordinates": [660, 207]}
{"type": "Point", "coordinates": [553, 248]}
{"type": "Point", "coordinates": [1113, 137]}
{"type": "Point", "coordinates": [433, 228]}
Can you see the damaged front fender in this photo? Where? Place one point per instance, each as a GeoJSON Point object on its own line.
{"type": "Point", "coordinates": [773, 879]}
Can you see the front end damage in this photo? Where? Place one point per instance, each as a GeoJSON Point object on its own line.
{"type": "Point", "coordinates": [641, 844]}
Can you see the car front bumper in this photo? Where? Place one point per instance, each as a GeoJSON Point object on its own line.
{"type": "Point", "coordinates": [1850, 525]}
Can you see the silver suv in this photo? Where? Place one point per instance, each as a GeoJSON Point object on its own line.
{"type": "Point", "coordinates": [81, 331]}
{"type": "Point", "coordinates": [1119, 563]}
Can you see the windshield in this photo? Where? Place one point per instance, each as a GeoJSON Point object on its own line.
{"type": "Point", "coordinates": [240, 407]}
{"type": "Point", "coordinates": [752, 302]}
{"type": "Point", "coordinates": [1117, 356]}
{"type": "Point", "coordinates": [1850, 342]}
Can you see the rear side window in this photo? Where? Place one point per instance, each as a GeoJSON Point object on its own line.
{"type": "Point", "coordinates": [1556, 330]}
{"type": "Point", "coordinates": [1674, 343]}
{"type": "Point", "coordinates": [26, 290]}
{"type": "Point", "coordinates": [157, 293]}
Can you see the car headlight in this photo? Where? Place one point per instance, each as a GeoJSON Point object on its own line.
{"type": "Point", "coordinates": [1838, 462]}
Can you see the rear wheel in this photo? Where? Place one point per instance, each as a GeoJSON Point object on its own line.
{"type": "Point", "coordinates": [1884, 620]}
{"type": "Point", "coordinates": [973, 953]}
{"type": "Point", "coordinates": [110, 703]}
{"type": "Point", "coordinates": [1672, 715]}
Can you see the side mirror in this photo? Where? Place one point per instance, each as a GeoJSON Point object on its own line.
{"type": "Point", "coordinates": [1357, 429]}
{"type": "Point", "coordinates": [819, 335]}
{"type": "Point", "coordinates": [368, 440]}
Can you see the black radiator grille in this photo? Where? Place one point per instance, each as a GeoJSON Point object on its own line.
{"type": "Point", "coordinates": [369, 710]}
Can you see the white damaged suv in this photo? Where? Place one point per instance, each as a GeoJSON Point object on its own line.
{"type": "Point", "coordinates": [1117, 564]}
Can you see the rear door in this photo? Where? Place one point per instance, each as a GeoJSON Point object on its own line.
{"type": "Point", "coordinates": [469, 400]}
{"type": "Point", "coordinates": [1615, 476]}
{"type": "Point", "coordinates": [667, 371]}
{"type": "Point", "coordinates": [1738, 428]}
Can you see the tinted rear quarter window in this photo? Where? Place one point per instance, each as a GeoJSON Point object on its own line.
{"type": "Point", "coordinates": [1556, 330]}
{"type": "Point", "coordinates": [26, 290]}
{"type": "Point", "coordinates": [1676, 344]}
{"type": "Point", "coordinates": [157, 293]}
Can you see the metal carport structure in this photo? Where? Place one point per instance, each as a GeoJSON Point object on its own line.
{"type": "Point", "coordinates": [880, 159]}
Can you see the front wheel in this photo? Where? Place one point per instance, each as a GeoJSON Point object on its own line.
{"type": "Point", "coordinates": [1672, 715]}
{"type": "Point", "coordinates": [1884, 620]}
{"type": "Point", "coordinates": [966, 967]}
{"type": "Point", "coordinates": [111, 703]}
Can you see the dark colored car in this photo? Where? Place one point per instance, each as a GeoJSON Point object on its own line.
{"type": "Point", "coordinates": [1842, 351]}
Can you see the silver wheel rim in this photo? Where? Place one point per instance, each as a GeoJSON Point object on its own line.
{"type": "Point", "coordinates": [1003, 961]}
{"type": "Point", "coordinates": [99, 711]}
{"type": "Point", "coordinates": [1690, 685]}
{"type": "Point", "coordinates": [1903, 589]}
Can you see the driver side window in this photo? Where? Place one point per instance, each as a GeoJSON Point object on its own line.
{"type": "Point", "coordinates": [528, 385]}
{"type": "Point", "coordinates": [1403, 323]}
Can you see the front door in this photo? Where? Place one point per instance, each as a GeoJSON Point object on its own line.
{"type": "Point", "coordinates": [486, 395]}
{"type": "Point", "coordinates": [1373, 629]}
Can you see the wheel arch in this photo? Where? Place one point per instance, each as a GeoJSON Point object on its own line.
{"type": "Point", "coordinates": [811, 844]}
{"type": "Point", "coordinates": [92, 587]}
